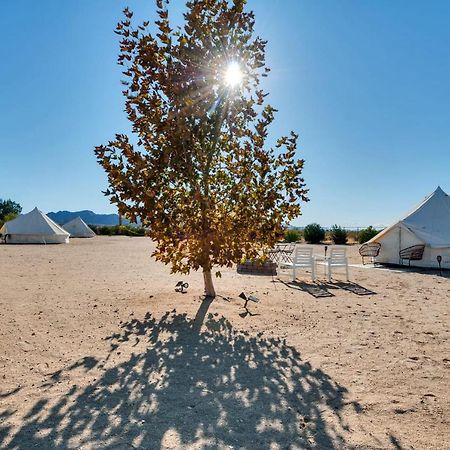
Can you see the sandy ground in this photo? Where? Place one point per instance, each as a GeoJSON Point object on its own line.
{"type": "Point", "coordinates": [97, 351]}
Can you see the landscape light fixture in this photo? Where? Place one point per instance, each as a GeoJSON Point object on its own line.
{"type": "Point", "coordinates": [252, 298]}
{"type": "Point", "coordinates": [181, 286]}
{"type": "Point", "coordinates": [439, 260]}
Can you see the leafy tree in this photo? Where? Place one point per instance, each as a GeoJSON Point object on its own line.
{"type": "Point", "coordinates": [7, 218]}
{"type": "Point", "coordinates": [200, 174]}
{"type": "Point", "coordinates": [313, 233]}
{"type": "Point", "coordinates": [366, 234]}
{"type": "Point", "coordinates": [339, 235]}
{"type": "Point", "coordinates": [8, 207]}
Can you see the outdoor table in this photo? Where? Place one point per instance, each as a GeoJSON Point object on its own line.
{"type": "Point", "coordinates": [282, 253]}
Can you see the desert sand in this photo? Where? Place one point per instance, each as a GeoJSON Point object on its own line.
{"type": "Point", "coordinates": [98, 351]}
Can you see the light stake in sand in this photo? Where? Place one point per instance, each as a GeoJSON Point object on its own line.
{"type": "Point", "coordinates": [439, 260]}
{"type": "Point", "coordinates": [251, 298]}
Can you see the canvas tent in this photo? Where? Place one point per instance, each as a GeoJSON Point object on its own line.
{"type": "Point", "coordinates": [77, 228]}
{"type": "Point", "coordinates": [33, 228]}
{"type": "Point", "coordinates": [428, 224]}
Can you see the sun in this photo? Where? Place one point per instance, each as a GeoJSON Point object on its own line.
{"type": "Point", "coordinates": [233, 75]}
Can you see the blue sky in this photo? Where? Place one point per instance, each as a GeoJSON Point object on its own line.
{"type": "Point", "coordinates": [365, 83]}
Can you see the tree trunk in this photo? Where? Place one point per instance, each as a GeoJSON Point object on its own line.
{"type": "Point", "coordinates": [209, 286]}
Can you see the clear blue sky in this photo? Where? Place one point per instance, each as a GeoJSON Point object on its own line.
{"type": "Point", "coordinates": [365, 83]}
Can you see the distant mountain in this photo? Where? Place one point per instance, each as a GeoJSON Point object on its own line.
{"type": "Point", "coordinates": [90, 217]}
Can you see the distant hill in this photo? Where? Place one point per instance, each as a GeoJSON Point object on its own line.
{"type": "Point", "coordinates": [90, 217]}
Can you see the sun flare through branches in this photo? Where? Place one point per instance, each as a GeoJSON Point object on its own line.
{"type": "Point", "coordinates": [233, 75]}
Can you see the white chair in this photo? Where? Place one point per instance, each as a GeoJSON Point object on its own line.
{"type": "Point", "coordinates": [303, 259]}
{"type": "Point", "coordinates": [336, 259]}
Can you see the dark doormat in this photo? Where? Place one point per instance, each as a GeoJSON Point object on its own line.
{"type": "Point", "coordinates": [316, 290]}
{"type": "Point", "coordinates": [354, 288]}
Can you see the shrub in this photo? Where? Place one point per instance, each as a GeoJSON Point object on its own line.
{"type": "Point", "coordinates": [118, 230]}
{"type": "Point", "coordinates": [7, 218]}
{"type": "Point", "coordinates": [352, 236]}
{"type": "Point", "coordinates": [366, 234]}
{"type": "Point", "coordinates": [313, 233]}
{"type": "Point", "coordinates": [105, 230]}
{"type": "Point", "coordinates": [121, 230]}
{"type": "Point", "coordinates": [8, 207]}
{"type": "Point", "coordinates": [292, 236]}
{"type": "Point", "coordinates": [339, 235]}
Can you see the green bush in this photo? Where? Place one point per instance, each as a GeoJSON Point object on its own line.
{"type": "Point", "coordinates": [121, 230]}
{"type": "Point", "coordinates": [313, 233]}
{"type": "Point", "coordinates": [118, 230]}
{"type": "Point", "coordinates": [366, 234]}
{"type": "Point", "coordinates": [130, 230]}
{"type": "Point", "coordinates": [7, 218]}
{"type": "Point", "coordinates": [8, 207]}
{"type": "Point", "coordinates": [339, 235]}
{"type": "Point", "coordinates": [352, 236]}
{"type": "Point", "coordinates": [105, 230]}
{"type": "Point", "coordinates": [292, 235]}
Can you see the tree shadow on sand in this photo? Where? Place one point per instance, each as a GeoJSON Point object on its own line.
{"type": "Point", "coordinates": [167, 383]}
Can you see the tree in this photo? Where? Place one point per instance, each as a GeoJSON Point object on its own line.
{"type": "Point", "coordinates": [366, 234]}
{"type": "Point", "coordinates": [201, 176]}
{"type": "Point", "coordinates": [313, 233]}
{"type": "Point", "coordinates": [9, 208]}
{"type": "Point", "coordinates": [292, 235]}
{"type": "Point", "coordinates": [339, 235]}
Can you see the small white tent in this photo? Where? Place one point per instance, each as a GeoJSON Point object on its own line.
{"type": "Point", "coordinates": [428, 224]}
{"type": "Point", "coordinates": [33, 228]}
{"type": "Point", "coordinates": [77, 228]}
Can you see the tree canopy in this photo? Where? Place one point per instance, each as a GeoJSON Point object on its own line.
{"type": "Point", "coordinates": [9, 208]}
{"type": "Point", "coordinates": [200, 173]}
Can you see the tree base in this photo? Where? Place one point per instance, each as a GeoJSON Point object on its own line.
{"type": "Point", "coordinates": [209, 286]}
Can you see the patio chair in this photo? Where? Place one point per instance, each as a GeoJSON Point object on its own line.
{"type": "Point", "coordinates": [414, 253]}
{"type": "Point", "coordinates": [369, 250]}
{"type": "Point", "coordinates": [336, 259]}
{"type": "Point", "coordinates": [303, 259]}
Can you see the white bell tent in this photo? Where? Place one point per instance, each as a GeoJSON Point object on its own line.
{"type": "Point", "coordinates": [33, 228]}
{"type": "Point", "coordinates": [428, 224]}
{"type": "Point", "coordinates": [77, 228]}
